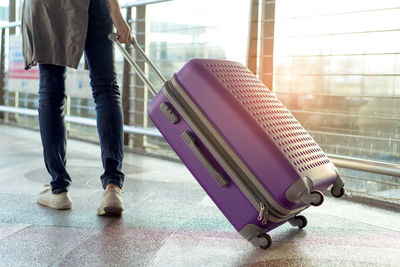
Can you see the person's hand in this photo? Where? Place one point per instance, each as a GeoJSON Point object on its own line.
{"type": "Point", "coordinates": [123, 29]}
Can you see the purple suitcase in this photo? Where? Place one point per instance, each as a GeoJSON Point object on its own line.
{"type": "Point", "coordinates": [248, 152]}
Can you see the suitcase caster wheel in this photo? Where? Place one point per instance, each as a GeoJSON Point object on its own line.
{"type": "Point", "coordinates": [319, 195]}
{"type": "Point", "coordinates": [299, 221]}
{"type": "Point", "coordinates": [337, 194]}
{"type": "Point", "coordinates": [268, 239]}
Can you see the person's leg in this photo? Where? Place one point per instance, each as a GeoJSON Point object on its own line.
{"type": "Point", "coordinates": [52, 100]}
{"type": "Point", "coordinates": [106, 94]}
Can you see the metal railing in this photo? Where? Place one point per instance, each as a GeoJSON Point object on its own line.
{"type": "Point", "coordinates": [365, 165]}
{"type": "Point", "coordinates": [339, 161]}
{"type": "Point", "coordinates": [82, 121]}
{"type": "Point", "coordinates": [143, 3]}
{"type": "Point", "coordinates": [10, 25]}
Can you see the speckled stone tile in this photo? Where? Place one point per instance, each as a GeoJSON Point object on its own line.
{"type": "Point", "coordinates": [17, 150]}
{"type": "Point", "coordinates": [362, 213]}
{"type": "Point", "coordinates": [327, 240]}
{"type": "Point", "coordinates": [41, 246]}
{"type": "Point", "coordinates": [202, 250]}
{"type": "Point", "coordinates": [118, 245]}
{"type": "Point", "coordinates": [23, 209]}
{"type": "Point", "coordinates": [8, 229]}
{"type": "Point", "coordinates": [162, 204]}
{"type": "Point", "coordinates": [311, 263]}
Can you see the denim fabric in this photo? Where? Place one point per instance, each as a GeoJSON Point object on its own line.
{"type": "Point", "coordinates": [105, 91]}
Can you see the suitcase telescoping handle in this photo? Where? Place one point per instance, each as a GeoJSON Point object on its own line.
{"type": "Point", "coordinates": [114, 37]}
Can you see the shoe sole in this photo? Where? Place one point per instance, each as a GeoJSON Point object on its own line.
{"type": "Point", "coordinates": [110, 211]}
{"type": "Point", "coordinates": [113, 211]}
{"type": "Point", "coordinates": [64, 207]}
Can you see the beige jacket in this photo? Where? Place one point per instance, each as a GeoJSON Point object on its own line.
{"type": "Point", "coordinates": [54, 31]}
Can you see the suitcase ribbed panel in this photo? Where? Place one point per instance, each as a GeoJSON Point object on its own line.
{"type": "Point", "coordinates": [278, 123]}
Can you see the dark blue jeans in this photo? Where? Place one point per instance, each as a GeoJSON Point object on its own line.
{"type": "Point", "coordinates": [52, 100]}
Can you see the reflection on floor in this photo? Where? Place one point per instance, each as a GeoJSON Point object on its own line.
{"type": "Point", "coordinates": [169, 220]}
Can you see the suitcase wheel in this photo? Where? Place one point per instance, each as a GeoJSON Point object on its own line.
{"type": "Point", "coordinates": [299, 221]}
{"type": "Point", "coordinates": [319, 195]}
{"type": "Point", "coordinates": [337, 194]}
{"type": "Point", "coordinates": [267, 239]}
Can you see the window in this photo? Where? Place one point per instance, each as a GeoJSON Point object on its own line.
{"type": "Point", "coordinates": [337, 68]}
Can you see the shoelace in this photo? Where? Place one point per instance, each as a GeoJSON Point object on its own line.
{"type": "Point", "coordinates": [47, 188]}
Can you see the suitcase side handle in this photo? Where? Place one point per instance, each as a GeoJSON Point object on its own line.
{"type": "Point", "coordinates": [114, 37]}
{"type": "Point", "coordinates": [191, 143]}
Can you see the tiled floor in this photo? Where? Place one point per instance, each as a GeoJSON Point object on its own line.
{"type": "Point", "coordinates": [169, 220]}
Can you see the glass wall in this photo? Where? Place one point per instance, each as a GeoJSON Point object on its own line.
{"type": "Point", "coordinates": [337, 68]}
{"type": "Point", "coordinates": [3, 11]}
{"type": "Point", "coordinates": [176, 31]}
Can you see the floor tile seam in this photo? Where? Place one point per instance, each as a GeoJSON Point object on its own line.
{"type": "Point", "coordinates": [31, 226]}
{"type": "Point", "coordinates": [166, 240]}
{"type": "Point", "coordinates": [57, 262]}
{"type": "Point", "coordinates": [170, 236]}
{"type": "Point", "coordinates": [98, 229]}
{"type": "Point", "coordinates": [139, 202]}
{"type": "Point", "coordinates": [20, 230]}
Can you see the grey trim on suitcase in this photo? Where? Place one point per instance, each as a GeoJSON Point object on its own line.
{"type": "Point", "coordinates": [225, 156]}
{"type": "Point", "coordinates": [337, 185]}
{"type": "Point", "coordinates": [251, 232]}
{"type": "Point", "coordinates": [300, 188]}
{"type": "Point", "coordinates": [169, 113]}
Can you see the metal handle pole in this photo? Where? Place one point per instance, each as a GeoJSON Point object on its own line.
{"type": "Point", "coordinates": [114, 37]}
{"type": "Point", "coordinates": [153, 67]}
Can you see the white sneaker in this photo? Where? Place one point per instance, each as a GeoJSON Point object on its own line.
{"type": "Point", "coordinates": [55, 201]}
{"type": "Point", "coordinates": [111, 205]}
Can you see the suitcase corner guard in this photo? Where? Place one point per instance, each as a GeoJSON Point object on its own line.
{"type": "Point", "coordinates": [256, 236]}
{"type": "Point", "coordinates": [300, 192]}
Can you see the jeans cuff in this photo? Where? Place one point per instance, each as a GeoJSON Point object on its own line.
{"type": "Point", "coordinates": [114, 181]}
{"type": "Point", "coordinates": [59, 191]}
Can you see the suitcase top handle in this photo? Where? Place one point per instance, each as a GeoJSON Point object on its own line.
{"type": "Point", "coordinates": [114, 37]}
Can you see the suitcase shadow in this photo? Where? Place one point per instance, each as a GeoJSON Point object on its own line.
{"type": "Point", "coordinates": [289, 236]}
{"type": "Point", "coordinates": [284, 248]}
